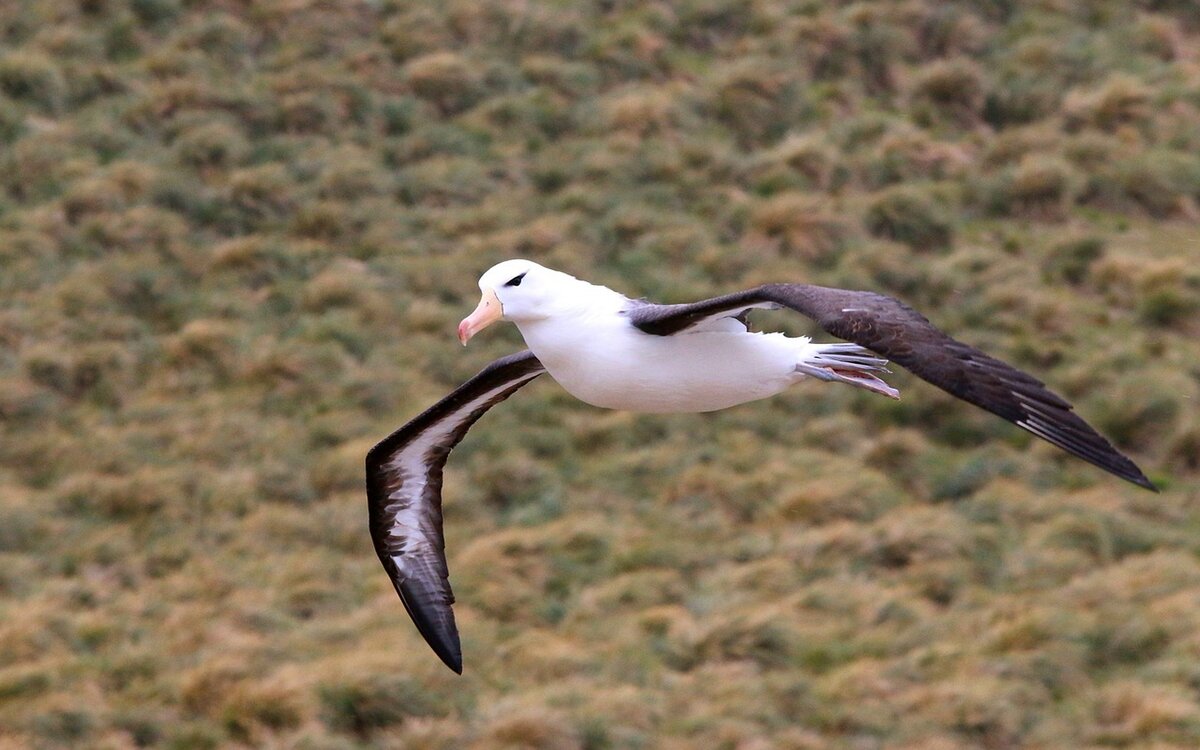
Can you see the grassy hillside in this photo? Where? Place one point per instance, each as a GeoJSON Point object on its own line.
{"type": "Point", "coordinates": [236, 237]}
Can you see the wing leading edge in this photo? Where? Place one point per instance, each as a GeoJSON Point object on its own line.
{"type": "Point", "coordinates": [901, 334]}
{"type": "Point", "coordinates": [404, 497]}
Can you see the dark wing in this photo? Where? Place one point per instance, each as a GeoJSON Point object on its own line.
{"type": "Point", "coordinates": [901, 334]}
{"type": "Point", "coordinates": [404, 497]}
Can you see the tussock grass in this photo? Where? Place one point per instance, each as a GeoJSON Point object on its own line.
{"type": "Point", "coordinates": [1120, 101]}
{"type": "Point", "coordinates": [28, 76]}
{"type": "Point", "coordinates": [443, 78]}
{"type": "Point", "coordinates": [911, 216]}
{"type": "Point", "coordinates": [235, 242]}
{"type": "Point", "coordinates": [949, 90]}
{"type": "Point", "coordinates": [1072, 260]}
{"type": "Point", "coordinates": [803, 227]}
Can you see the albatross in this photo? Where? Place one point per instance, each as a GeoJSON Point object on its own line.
{"type": "Point", "coordinates": [620, 353]}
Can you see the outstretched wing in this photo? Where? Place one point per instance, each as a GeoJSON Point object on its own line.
{"type": "Point", "coordinates": [404, 497]}
{"type": "Point", "coordinates": [904, 336]}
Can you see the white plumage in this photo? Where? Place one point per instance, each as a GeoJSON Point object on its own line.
{"type": "Point", "coordinates": [589, 347]}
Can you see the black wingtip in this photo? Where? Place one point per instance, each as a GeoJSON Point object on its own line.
{"type": "Point", "coordinates": [447, 649]}
{"type": "Point", "coordinates": [445, 643]}
{"type": "Point", "coordinates": [1143, 482]}
{"type": "Point", "coordinates": [435, 624]}
{"type": "Point", "coordinates": [1120, 465]}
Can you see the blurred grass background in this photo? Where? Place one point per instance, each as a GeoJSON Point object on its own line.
{"type": "Point", "coordinates": [235, 239]}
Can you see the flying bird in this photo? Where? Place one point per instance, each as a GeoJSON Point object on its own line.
{"type": "Point", "coordinates": [620, 353]}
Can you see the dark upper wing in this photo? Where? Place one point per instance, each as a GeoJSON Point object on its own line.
{"type": "Point", "coordinates": [404, 497]}
{"type": "Point", "coordinates": [904, 336]}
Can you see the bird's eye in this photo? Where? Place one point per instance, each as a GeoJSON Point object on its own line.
{"type": "Point", "coordinates": [516, 280]}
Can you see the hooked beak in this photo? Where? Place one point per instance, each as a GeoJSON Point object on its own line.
{"type": "Point", "coordinates": [488, 312]}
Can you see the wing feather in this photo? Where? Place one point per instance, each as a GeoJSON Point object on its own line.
{"type": "Point", "coordinates": [894, 330]}
{"type": "Point", "coordinates": [404, 497]}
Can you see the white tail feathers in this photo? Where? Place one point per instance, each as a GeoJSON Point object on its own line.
{"type": "Point", "coordinates": [846, 363]}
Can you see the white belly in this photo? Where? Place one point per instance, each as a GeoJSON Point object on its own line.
{"type": "Point", "coordinates": [617, 367]}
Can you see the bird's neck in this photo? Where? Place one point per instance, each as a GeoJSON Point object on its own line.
{"type": "Point", "coordinates": [576, 323]}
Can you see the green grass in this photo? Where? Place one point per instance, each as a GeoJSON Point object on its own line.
{"type": "Point", "coordinates": [235, 240]}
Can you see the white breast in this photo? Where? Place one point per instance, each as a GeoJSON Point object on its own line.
{"type": "Point", "coordinates": [600, 358]}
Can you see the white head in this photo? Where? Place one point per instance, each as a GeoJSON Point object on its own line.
{"type": "Point", "coordinates": [522, 291]}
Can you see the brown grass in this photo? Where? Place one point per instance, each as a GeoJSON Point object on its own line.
{"type": "Point", "coordinates": [235, 240]}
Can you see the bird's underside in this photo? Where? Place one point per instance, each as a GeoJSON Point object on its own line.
{"type": "Point", "coordinates": [404, 471]}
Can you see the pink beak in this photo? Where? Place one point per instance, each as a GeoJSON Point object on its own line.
{"type": "Point", "coordinates": [488, 312]}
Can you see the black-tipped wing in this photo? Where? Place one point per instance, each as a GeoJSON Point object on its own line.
{"type": "Point", "coordinates": [904, 336]}
{"type": "Point", "coordinates": [404, 497]}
